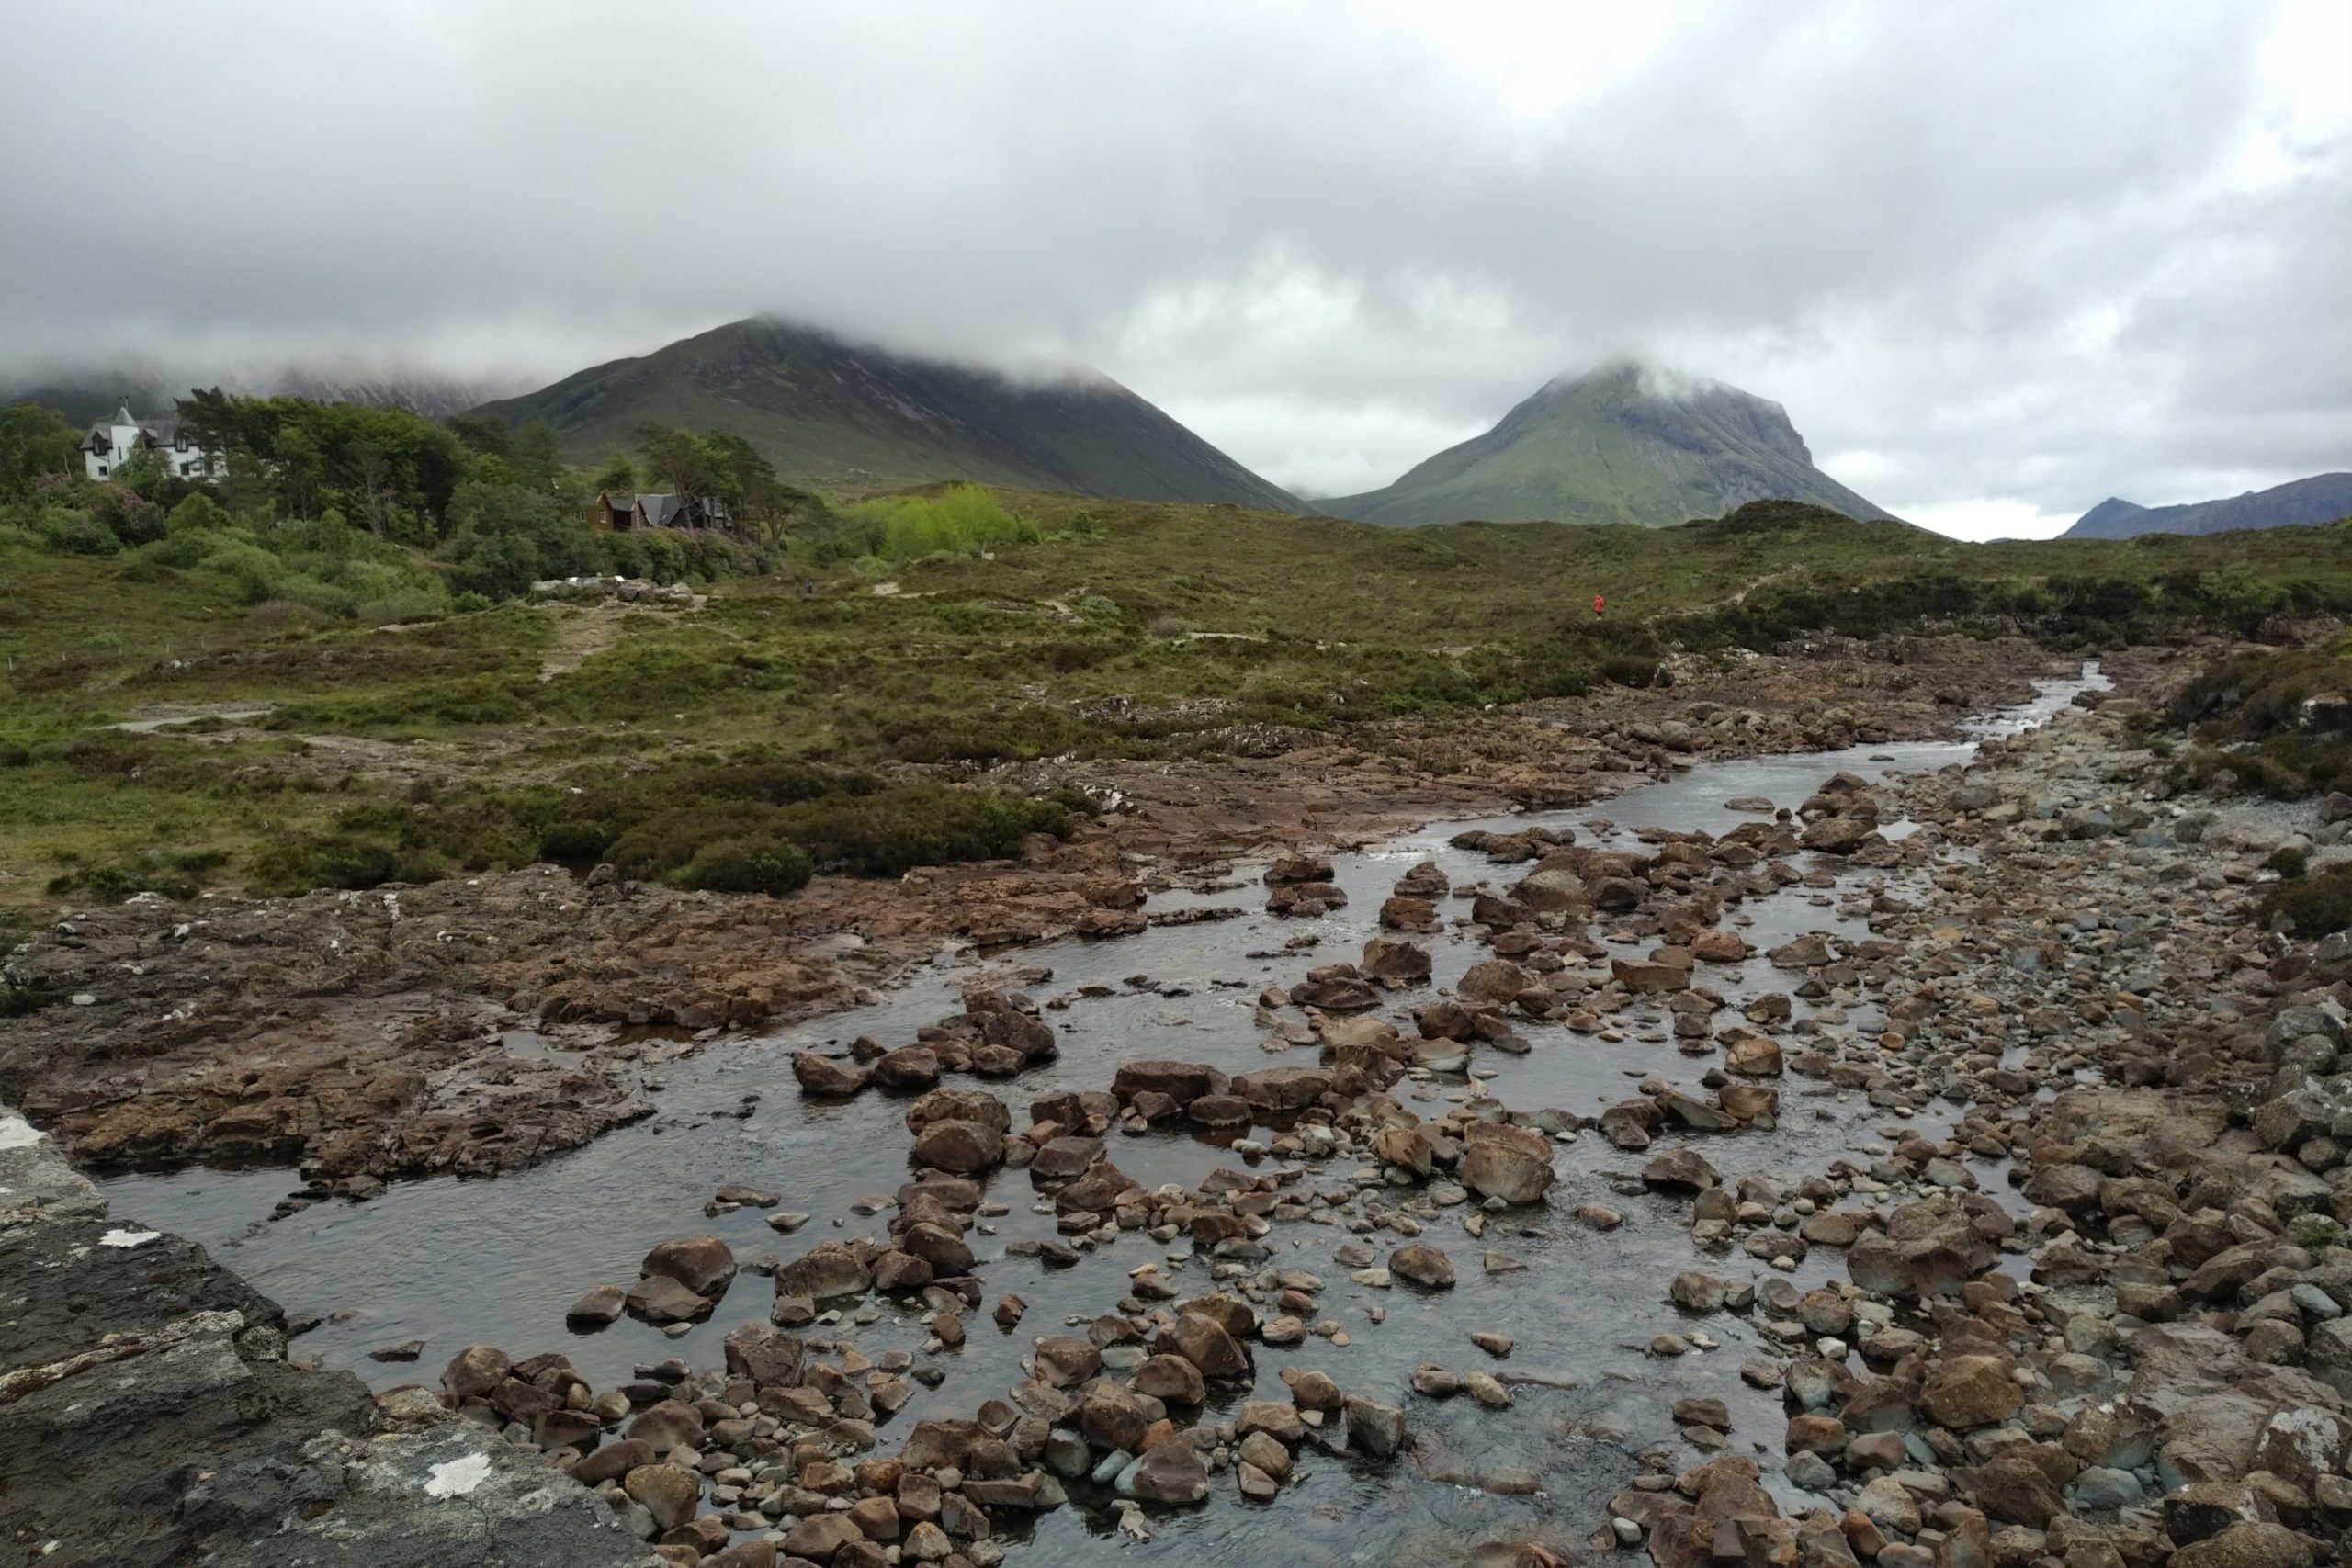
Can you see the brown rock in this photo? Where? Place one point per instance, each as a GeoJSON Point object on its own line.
{"type": "Point", "coordinates": [659, 1299]}
{"type": "Point", "coordinates": [826, 1077]}
{"type": "Point", "coordinates": [1967, 1391]}
{"type": "Point", "coordinates": [1181, 1082]}
{"type": "Point", "coordinates": [1501, 1161]}
{"type": "Point", "coordinates": [959, 1147]}
{"type": "Point", "coordinates": [672, 1495]}
{"type": "Point", "coordinates": [1423, 1265]}
{"type": "Point", "coordinates": [473, 1372]}
{"type": "Point", "coordinates": [1172, 1474]}
{"type": "Point", "coordinates": [703, 1264]}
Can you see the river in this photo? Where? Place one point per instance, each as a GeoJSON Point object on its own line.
{"type": "Point", "coordinates": [454, 1262]}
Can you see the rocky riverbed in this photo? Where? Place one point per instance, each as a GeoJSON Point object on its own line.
{"type": "Point", "coordinates": [1928, 1168]}
{"type": "Point", "coordinates": [370, 1036]}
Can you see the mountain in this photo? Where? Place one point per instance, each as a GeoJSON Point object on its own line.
{"type": "Point", "coordinates": [83, 395]}
{"type": "Point", "coordinates": [833, 413]}
{"type": "Point", "coordinates": [1626, 443]}
{"type": "Point", "coordinates": [2299, 504]}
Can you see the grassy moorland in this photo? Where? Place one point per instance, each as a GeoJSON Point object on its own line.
{"type": "Point", "coordinates": [447, 740]}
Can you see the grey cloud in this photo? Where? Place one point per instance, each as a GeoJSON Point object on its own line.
{"type": "Point", "coordinates": [1991, 252]}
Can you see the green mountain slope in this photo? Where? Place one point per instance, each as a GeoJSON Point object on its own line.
{"type": "Point", "coordinates": [831, 413]}
{"type": "Point", "coordinates": [1622, 444]}
{"type": "Point", "coordinates": [2300, 504]}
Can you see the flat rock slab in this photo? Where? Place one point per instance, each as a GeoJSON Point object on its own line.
{"type": "Point", "coordinates": [145, 1416]}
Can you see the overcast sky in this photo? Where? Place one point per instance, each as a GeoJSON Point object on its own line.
{"type": "Point", "coordinates": [1999, 260]}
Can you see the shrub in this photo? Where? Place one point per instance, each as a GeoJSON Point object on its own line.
{"type": "Point", "coordinates": [304, 861]}
{"type": "Point", "coordinates": [402, 607]}
{"type": "Point", "coordinates": [2287, 862]}
{"type": "Point", "coordinates": [2238, 599]}
{"type": "Point", "coordinates": [959, 519]}
{"type": "Point", "coordinates": [197, 513]}
{"type": "Point", "coordinates": [576, 841]}
{"type": "Point", "coordinates": [286, 615]}
{"type": "Point", "coordinates": [76, 533]}
{"type": "Point", "coordinates": [468, 603]}
{"type": "Point", "coordinates": [1632, 669]}
{"type": "Point", "coordinates": [2313, 906]}
{"type": "Point", "coordinates": [129, 516]}
{"type": "Point", "coordinates": [773, 866]}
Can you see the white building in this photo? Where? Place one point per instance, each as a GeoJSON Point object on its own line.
{"type": "Point", "coordinates": [112, 440]}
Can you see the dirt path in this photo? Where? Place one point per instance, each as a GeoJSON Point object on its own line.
{"type": "Point", "coordinates": [579, 635]}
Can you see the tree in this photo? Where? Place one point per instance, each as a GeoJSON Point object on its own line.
{"type": "Point", "coordinates": [35, 441]}
{"type": "Point", "coordinates": [301, 469]}
{"type": "Point", "coordinates": [677, 460]}
{"type": "Point", "coordinates": [617, 477]}
{"type": "Point", "coordinates": [533, 457]}
{"type": "Point", "coordinates": [484, 433]}
{"type": "Point", "coordinates": [745, 480]}
{"type": "Point", "coordinates": [371, 472]}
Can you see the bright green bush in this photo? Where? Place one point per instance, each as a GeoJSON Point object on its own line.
{"type": "Point", "coordinates": [958, 520]}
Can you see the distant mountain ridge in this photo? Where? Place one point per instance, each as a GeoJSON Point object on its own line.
{"type": "Point", "coordinates": [2299, 504]}
{"type": "Point", "coordinates": [1625, 442]}
{"type": "Point", "coordinates": [831, 413]}
{"type": "Point", "coordinates": [83, 395]}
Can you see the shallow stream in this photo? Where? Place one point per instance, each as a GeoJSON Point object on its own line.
{"type": "Point", "coordinates": [454, 1262]}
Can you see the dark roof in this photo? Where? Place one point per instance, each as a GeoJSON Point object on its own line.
{"type": "Point", "coordinates": [163, 430]}
{"type": "Point", "coordinates": [661, 510]}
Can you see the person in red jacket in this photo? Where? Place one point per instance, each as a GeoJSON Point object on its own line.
{"type": "Point", "coordinates": [1596, 606]}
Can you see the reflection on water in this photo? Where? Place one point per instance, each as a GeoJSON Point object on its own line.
{"type": "Point", "coordinates": [453, 1262]}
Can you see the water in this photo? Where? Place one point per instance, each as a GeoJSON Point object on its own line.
{"type": "Point", "coordinates": [453, 1262]}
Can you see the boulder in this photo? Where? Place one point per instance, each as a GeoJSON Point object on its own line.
{"type": "Point", "coordinates": [1374, 1427]}
{"type": "Point", "coordinates": [2014, 1490]}
{"type": "Point", "coordinates": [818, 1536]}
{"type": "Point", "coordinates": [766, 1356]}
{"type": "Point", "coordinates": [828, 1269]}
{"type": "Point", "coordinates": [1966, 1391]}
{"type": "Point", "coordinates": [1172, 1473]}
{"type": "Point", "coordinates": [959, 1147]}
{"type": "Point", "coordinates": [1422, 1265]}
{"type": "Point", "coordinates": [672, 1494]}
{"type": "Point", "coordinates": [1058, 1159]}
{"type": "Point", "coordinates": [1680, 1171]}
{"type": "Point", "coordinates": [2247, 1544]}
{"type": "Point", "coordinates": [907, 1068]}
{"type": "Point", "coordinates": [1928, 1248]}
{"type": "Point", "coordinates": [1513, 1164]}
{"type": "Point", "coordinates": [959, 1105]}
{"type": "Point", "coordinates": [1111, 1416]}
{"type": "Point", "coordinates": [1203, 1341]}
{"type": "Point", "coordinates": [1282, 1089]}
{"type": "Point", "coordinates": [658, 1299]}
{"type": "Point", "coordinates": [1173, 1378]}
{"type": "Point", "coordinates": [1388, 961]}
{"type": "Point", "coordinates": [828, 1077]}
{"type": "Point", "coordinates": [703, 1264]}
{"type": "Point", "coordinates": [1181, 1082]}
{"type": "Point", "coordinates": [1719, 947]}
{"type": "Point", "coordinates": [1642, 975]}
{"type": "Point", "coordinates": [1495, 982]}
{"type": "Point", "coordinates": [475, 1370]}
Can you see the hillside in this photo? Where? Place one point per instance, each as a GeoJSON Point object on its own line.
{"type": "Point", "coordinates": [834, 414]}
{"type": "Point", "coordinates": [83, 395]}
{"type": "Point", "coordinates": [2300, 504]}
{"type": "Point", "coordinates": [1622, 444]}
